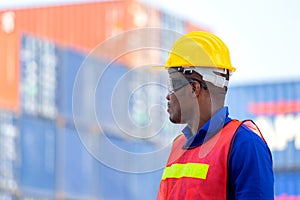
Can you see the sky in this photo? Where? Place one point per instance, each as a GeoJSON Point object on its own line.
{"type": "Point", "coordinates": [262, 36]}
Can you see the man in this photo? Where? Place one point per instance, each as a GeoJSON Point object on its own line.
{"type": "Point", "coordinates": [216, 157]}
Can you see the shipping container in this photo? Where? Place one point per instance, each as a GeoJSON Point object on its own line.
{"type": "Point", "coordinates": [4, 195]}
{"type": "Point", "coordinates": [9, 154]}
{"type": "Point", "coordinates": [39, 76]}
{"type": "Point", "coordinates": [92, 92]}
{"type": "Point", "coordinates": [71, 61]}
{"type": "Point", "coordinates": [80, 176]}
{"type": "Point", "coordinates": [9, 62]}
{"type": "Point", "coordinates": [287, 185]}
{"type": "Point", "coordinates": [115, 184]}
{"type": "Point", "coordinates": [38, 156]}
{"type": "Point", "coordinates": [76, 177]}
{"type": "Point", "coordinates": [275, 108]}
{"type": "Point", "coordinates": [106, 86]}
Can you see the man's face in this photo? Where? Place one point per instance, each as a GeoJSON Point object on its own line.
{"type": "Point", "coordinates": [180, 102]}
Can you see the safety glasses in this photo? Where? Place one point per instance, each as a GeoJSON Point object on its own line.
{"type": "Point", "coordinates": [175, 84]}
{"type": "Point", "coordinates": [217, 76]}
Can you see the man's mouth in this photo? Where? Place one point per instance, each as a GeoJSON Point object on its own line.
{"type": "Point", "coordinates": [168, 107]}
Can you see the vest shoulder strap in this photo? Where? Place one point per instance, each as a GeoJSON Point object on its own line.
{"type": "Point", "coordinates": [253, 127]}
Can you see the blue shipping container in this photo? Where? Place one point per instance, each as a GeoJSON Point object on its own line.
{"type": "Point", "coordinates": [114, 184]}
{"type": "Point", "coordinates": [287, 183]}
{"type": "Point", "coordinates": [75, 166]}
{"type": "Point", "coordinates": [39, 76]}
{"type": "Point", "coordinates": [38, 150]}
{"type": "Point", "coordinates": [9, 152]}
{"type": "Point", "coordinates": [71, 62]}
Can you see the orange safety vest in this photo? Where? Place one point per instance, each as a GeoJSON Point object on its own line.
{"type": "Point", "coordinates": [201, 172]}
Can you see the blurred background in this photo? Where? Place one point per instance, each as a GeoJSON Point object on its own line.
{"type": "Point", "coordinates": [43, 46]}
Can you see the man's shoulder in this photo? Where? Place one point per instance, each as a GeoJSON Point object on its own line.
{"type": "Point", "coordinates": [244, 133]}
{"type": "Point", "coordinates": [247, 138]}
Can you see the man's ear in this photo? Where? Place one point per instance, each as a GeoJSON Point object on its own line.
{"type": "Point", "coordinates": [196, 88]}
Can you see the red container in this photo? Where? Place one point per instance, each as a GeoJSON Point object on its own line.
{"type": "Point", "coordinates": [9, 66]}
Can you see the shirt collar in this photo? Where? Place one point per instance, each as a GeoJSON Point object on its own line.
{"type": "Point", "coordinates": [209, 129]}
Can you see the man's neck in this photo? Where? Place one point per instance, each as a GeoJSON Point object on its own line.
{"type": "Point", "coordinates": [197, 122]}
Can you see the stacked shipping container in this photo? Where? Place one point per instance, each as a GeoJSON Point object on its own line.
{"type": "Point", "coordinates": [42, 49]}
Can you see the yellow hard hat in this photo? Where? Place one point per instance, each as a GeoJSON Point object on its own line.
{"type": "Point", "coordinates": [199, 49]}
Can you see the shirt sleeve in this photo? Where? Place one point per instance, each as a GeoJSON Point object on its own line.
{"type": "Point", "coordinates": [250, 170]}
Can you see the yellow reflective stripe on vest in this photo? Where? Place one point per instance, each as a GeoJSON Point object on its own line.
{"type": "Point", "coordinates": [191, 170]}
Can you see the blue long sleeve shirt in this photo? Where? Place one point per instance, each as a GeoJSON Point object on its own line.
{"type": "Point", "coordinates": [250, 171]}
